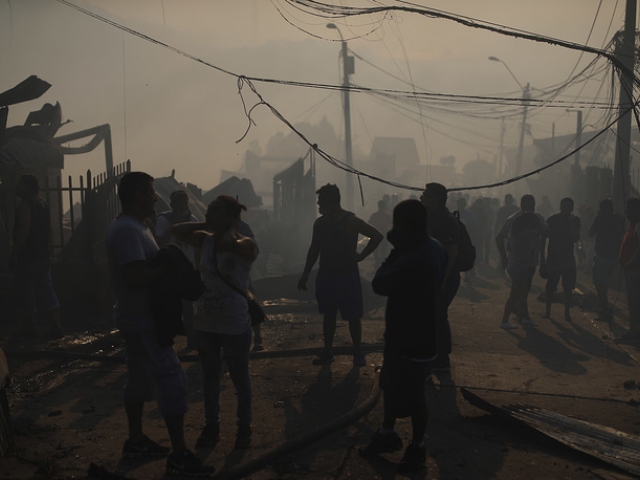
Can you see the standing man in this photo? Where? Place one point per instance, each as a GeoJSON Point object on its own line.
{"type": "Point", "coordinates": [608, 229]}
{"type": "Point", "coordinates": [334, 240]}
{"type": "Point", "coordinates": [443, 226]}
{"type": "Point", "coordinates": [150, 368]}
{"type": "Point", "coordinates": [563, 232]}
{"type": "Point", "coordinates": [30, 257]}
{"type": "Point", "coordinates": [179, 213]}
{"type": "Point", "coordinates": [630, 262]}
{"type": "Point", "coordinates": [411, 279]}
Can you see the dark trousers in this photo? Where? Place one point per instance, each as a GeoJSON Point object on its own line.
{"type": "Point", "coordinates": [447, 294]}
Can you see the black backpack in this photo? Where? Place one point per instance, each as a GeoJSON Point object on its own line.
{"type": "Point", "coordinates": [466, 250]}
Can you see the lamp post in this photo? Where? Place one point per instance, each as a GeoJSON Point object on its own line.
{"type": "Point", "coordinates": [347, 69]}
{"type": "Point", "coordinates": [525, 102]}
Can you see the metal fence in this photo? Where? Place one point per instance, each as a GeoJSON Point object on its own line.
{"type": "Point", "coordinates": [78, 233]}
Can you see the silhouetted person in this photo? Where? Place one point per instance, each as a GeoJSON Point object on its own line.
{"type": "Point", "coordinates": [608, 229]}
{"type": "Point", "coordinates": [630, 262]}
{"type": "Point", "coordinates": [505, 212]}
{"type": "Point", "coordinates": [490, 212]}
{"type": "Point", "coordinates": [150, 367]}
{"type": "Point", "coordinates": [443, 226]}
{"type": "Point", "coordinates": [411, 278]}
{"type": "Point", "coordinates": [30, 257]}
{"type": "Point", "coordinates": [563, 232]}
{"type": "Point", "coordinates": [223, 323]}
{"type": "Point", "coordinates": [179, 213]}
{"type": "Point", "coordinates": [545, 208]}
{"type": "Point", "coordinates": [382, 221]}
{"type": "Point", "coordinates": [585, 255]}
{"type": "Point", "coordinates": [522, 231]}
{"type": "Point", "coordinates": [334, 241]}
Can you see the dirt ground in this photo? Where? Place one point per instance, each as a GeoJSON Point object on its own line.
{"type": "Point", "coordinates": [67, 412]}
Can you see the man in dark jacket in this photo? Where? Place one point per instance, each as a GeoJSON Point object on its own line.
{"type": "Point", "coordinates": [411, 278]}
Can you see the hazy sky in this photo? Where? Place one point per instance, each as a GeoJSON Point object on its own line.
{"type": "Point", "coordinates": [167, 111]}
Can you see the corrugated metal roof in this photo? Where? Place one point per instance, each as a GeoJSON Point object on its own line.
{"type": "Point", "coordinates": [610, 445]}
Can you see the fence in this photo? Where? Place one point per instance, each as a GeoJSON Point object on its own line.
{"type": "Point", "coordinates": [78, 234]}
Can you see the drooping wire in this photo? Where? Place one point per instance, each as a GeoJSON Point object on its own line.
{"type": "Point", "coordinates": [242, 80]}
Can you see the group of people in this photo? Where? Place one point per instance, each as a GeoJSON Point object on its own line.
{"type": "Point", "coordinates": [221, 323]}
{"type": "Point", "coordinates": [420, 278]}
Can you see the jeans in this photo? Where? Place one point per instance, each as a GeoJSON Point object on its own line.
{"type": "Point", "coordinates": [29, 277]}
{"type": "Point", "coordinates": [236, 353]}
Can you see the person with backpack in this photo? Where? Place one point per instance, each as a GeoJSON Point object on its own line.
{"type": "Point", "coordinates": [445, 228]}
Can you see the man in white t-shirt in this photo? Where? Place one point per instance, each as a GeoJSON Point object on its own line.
{"type": "Point", "coordinates": [151, 368]}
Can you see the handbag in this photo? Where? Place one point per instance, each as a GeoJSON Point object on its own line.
{"type": "Point", "coordinates": [256, 311]}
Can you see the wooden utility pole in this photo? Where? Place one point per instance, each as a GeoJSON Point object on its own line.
{"type": "Point", "coordinates": [625, 52]}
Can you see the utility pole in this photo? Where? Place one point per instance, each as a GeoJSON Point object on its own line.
{"type": "Point", "coordinates": [348, 68]}
{"type": "Point", "coordinates": [625, 53]}
{"type": "Point", "coordinates": [525, 101]}
{"type": "Point", "coordinates": [502, 130]}
{"type": "Point", "coordinates": [578, 191]}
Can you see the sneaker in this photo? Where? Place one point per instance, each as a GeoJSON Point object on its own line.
{"type": "Point", "coordinates": [258, 347]}
{"type": "Point", "coordinates": [187, 464]}
{"type": "Point", "coordinates": [209, 437]}
{"type": "Point", "coordinates": [415, 456]}
{"type": "Point", "coordinates": [381, 443]}
{"type": "Point", "coordinates": [243, 437]}
{"type": "Point", "coordinates": [508, 326]}
{"type": "Point", "coordinates": [325, 358]}
{"type": "Point", "coordinates": [144, 448]}
{"type": "Point", "coordinates": [55, 333]}
{"type": "Point", "coordinates": [359, 359]}
{"type": "Point", "coordinates": [527, 322]}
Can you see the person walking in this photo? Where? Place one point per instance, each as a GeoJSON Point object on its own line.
{"type": "Point", "coordinates": [334, 241]}
{"type": "Point", "coordinates": [522, 231]}
{"type": "Point", "coordinates": [150, 367]}
{"type": "Point", "coordinates": [410, 278]}
{"type": "Point", "coordinates": [222, 322]}
{"type": "Point", "coordinates": [563, 232]}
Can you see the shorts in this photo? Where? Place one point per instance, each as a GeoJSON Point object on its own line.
{"type": "Point", "coordinates": [403, 384]}
{"type": "Point", "coordinates": [152, 368]}
{"type": "Point", "coordinates": [340, 292]}
{"type": "Point", "coordinates": [521, 275]}
{"type": "Point", "coordinates": [568, 275]}
{"type": "Point", "coordinates": [602, 270]}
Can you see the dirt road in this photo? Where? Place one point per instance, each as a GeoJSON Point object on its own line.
{"type": "Point", "coordinates": [67, 410]}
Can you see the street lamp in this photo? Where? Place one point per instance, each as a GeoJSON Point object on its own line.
{"type": "Point", "coordinates": [347, 69]}
{"type": "Point", "coordinates": [525, 103]}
